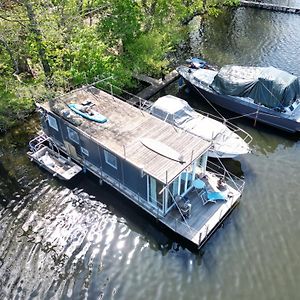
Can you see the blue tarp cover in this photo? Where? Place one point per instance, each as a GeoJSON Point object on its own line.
{"type": "Point", "coordinates": [266, 85]}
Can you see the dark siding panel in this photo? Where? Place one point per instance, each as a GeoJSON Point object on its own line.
{"type": "Point", "coordinates": [92, 148]}
{"type": "Point", "coordinates": [134, 181]}
{"type": "Point", "coordinates": [143, 187]}
{"type": "Point", "coordinates": [115, 173]}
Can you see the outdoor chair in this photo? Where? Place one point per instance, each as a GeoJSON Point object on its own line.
{"type": "Point", "coordinates": [184, 205]}
{"type": "Point", "coordinates": [199, 186]}
{"type": "Point", "coordinates": [205, 195]}
{"type": "Point", "coordinates": [212, 197]}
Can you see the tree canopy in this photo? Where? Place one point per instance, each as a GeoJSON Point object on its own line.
{"type": "Point", "coordinates": [51, 46]}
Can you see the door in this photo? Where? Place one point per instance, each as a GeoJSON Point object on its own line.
{"type": "Point", "coordinates": [71, 150]}
{"type": "Point", "coordinates": [155, 197]}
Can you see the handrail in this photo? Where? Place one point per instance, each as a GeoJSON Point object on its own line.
{"type": "Point", "coordinates": [144, 105]}
{"type": "Point", "coordinates": [231, 178]}
{"type": "Point", "coordinates": [236, 129]}
{"type": "Point", "coordinates": [183, 226]}
{"type": "Point", "coordinates": [40, 139]}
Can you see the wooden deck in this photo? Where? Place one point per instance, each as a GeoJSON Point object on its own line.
{"type": "Point", "coordinates": [155, 86]}
{"type": "Point", "coordinates": [125, 128]}
{"type": "Point", "coordinates": [204, 218]}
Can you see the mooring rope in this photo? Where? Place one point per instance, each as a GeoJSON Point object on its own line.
{"type": "Point", "coordinates": [224, 119]}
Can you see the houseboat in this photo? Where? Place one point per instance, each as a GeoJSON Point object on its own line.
{"type": "Point", "coordinates": [161, 168]}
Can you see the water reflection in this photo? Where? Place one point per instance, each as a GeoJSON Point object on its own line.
{"type": "Point", "coordinates": [61, 239]}
{"type": "Point", "coordinates": [236, 38]}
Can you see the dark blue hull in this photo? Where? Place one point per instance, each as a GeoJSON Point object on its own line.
{"type": "Point", "coordinates": [249, 110]}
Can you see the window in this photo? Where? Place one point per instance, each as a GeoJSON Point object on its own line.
{"type": "Point", "coordinates": [110, 159]}
{"type": "Point", "coordinates": [84, 151]}
{"type": "Point", "coordinates": [73, 135]}
{"type": "Point", "coordinates": [52, 122]}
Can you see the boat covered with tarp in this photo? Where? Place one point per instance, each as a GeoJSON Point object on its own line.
{"type": "Point", "coordinates": [265, 94]}
{"type": "Point", "coordinates": [268, 86]}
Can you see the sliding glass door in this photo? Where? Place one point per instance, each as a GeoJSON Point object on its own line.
{"type": "Point", "coordinates": [155, 194]}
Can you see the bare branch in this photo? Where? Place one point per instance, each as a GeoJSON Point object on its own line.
{"type": "Point", "coordinates": [38, 37]}
{"type": "Point", "coordinates": [13, 60]}
{"type": "Point", "coordinates": [16, 21]}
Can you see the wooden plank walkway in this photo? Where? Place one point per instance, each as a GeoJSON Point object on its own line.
{"type": "Point", "coordinates": [155, 86]}
{"type": "Point", "coordinates": [269, 6]}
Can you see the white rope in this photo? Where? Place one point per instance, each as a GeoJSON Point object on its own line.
{"type": "Point", "coordinates": [210, 104]}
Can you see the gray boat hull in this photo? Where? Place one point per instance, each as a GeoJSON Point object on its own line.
{"type": "Point", "coordinates": [249, 110]}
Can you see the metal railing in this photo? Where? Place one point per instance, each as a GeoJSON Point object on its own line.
{"type": "Point", "coordinates": [36, 143]}
{"type": "Point", "coordinates": [181, 227]}
{"type": "Point", "coordinates": [241, 132]}
{"type": "Point", "coordinates": [234, 181]}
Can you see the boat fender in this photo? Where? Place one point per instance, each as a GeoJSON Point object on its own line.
{"type": "Point", "coordinates": [180, 82]}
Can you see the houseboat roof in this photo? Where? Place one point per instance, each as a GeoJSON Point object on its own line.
{"type": "Point", "coordinates": [135, 135]}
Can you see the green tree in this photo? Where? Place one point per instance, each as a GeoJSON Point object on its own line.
{"type": "Point", "coordinates": [51, 46]}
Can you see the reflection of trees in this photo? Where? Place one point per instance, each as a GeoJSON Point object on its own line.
{"type": "Point", "coordinates": [230, 37]}
{"type": "Point", "coordinates": [8, 185]}
{"type": "Point", "coordinates": [13, 159]}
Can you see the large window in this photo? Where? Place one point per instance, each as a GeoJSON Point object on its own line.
{"type": "Point", "coordinates": [110, 159]}
{"type": "Point", "coordinates": [52, 122]}
{"type": "Point", "coordinates": [73, 135]}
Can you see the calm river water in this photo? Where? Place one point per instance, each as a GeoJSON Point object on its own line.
{"type": "Point", "coordinates": [55, 247]}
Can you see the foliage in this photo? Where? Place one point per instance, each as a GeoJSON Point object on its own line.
{"type": "Point", "coordinates": [232, 2]}
{"type": "Point", "coordinates": [52, 46]}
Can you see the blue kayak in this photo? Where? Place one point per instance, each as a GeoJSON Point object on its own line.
{"type": "Point", "coordinates": [197, 63]}
{"type": "Point", "coordinates": [87, 113]}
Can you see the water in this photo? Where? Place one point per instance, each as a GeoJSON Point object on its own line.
{"type": "Point", "coordinates": [56, 246]}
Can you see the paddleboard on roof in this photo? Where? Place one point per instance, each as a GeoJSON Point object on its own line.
{"type": "Point", "coordinates": [162, 149]}
{"type": "Point", "coordinates": [87, 112]}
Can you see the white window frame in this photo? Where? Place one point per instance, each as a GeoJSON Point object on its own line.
{"type": "Point", "coordinates": [110, 159]}
{"type": "Point", "coordinates": [84, 151]}
{"type": "Point", "coordinates": [52, 122]}
{"type": "Point", "coordinates": [71, 134]}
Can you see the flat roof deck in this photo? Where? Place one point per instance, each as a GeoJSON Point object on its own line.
{"type": "Point", "coordinates": [125, 128]}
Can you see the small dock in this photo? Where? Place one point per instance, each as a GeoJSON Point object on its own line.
{"type": "Point", "coordinates": [155, 85]}
{"type": "Point", "coordinates": [273, 7]}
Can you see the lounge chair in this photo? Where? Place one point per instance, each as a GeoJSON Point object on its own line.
{"type": "Point", "coordinates": [208, 196]}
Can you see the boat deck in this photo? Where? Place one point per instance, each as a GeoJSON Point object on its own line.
{"type": "Point", "coordinates": [204, 218]}
{"type": "Point", "coordinates": [56, 164]}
